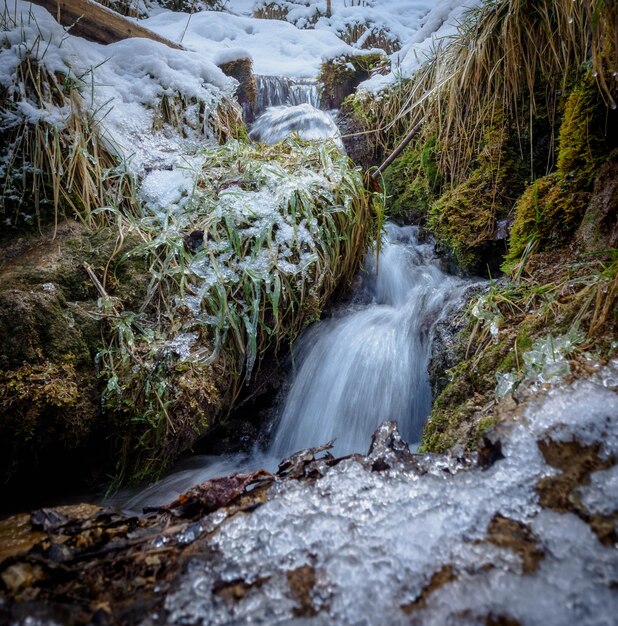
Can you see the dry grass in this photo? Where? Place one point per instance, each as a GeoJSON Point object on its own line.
{"type": "Point", "coordinates": [56, 169]}
{"type": "Point", "coordinates": [510, 57]}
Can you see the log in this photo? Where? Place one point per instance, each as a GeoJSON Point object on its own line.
{"type": "Point", "coordinates": [90, 20]}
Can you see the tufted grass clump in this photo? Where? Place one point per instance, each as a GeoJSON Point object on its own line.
{"type": "Point", "coordinates": [54, 166]}
{"type": "Point", "coordinates": [267, 236]}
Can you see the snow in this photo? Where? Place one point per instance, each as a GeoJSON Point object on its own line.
{"type": "Point", "coordinates": [297, 47]}
{"type": "Point", "coordinates": [123, 83]}
{"type": "Point", "coordinates": [276, 47]}
{"type": "Point", "coordinates": [374, 539]}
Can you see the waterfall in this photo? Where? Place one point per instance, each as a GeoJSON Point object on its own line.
{"type": "Point", "coordinates": [370, 364]}
{"type": "Point", "coordinates": [280, 90]}
{"type": "Point", "coordinates": [365, 365]}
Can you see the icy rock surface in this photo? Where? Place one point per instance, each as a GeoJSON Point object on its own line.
{"type": "Point", "coordinates": [377, 541]}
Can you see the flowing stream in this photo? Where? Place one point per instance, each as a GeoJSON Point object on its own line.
{"type": "Point", "coordinates": [370, 364]}
{"type": "Point", "coordinates": [366, 364]}
{"type": "Point", "coordinates": [281, 90]}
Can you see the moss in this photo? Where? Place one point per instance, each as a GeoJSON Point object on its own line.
{"type": "Point", "coordinates": [340, 76]}
{"type": "Point", "coordinates": [413, 181]}
{"type": "Point", "coordinates": [464, 217]}
{"type": "Point", "coordinates": [552, 207]}
{"type": "Point", "coordinates": [50, 333]}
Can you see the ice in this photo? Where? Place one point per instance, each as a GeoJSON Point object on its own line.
{"type": "Point", "coordinates": [374, 539]}
{"type": "Point", "coordinates": [601, 496]}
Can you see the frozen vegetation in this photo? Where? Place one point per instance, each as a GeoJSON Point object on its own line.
{"type": "Point", "coordinates": [422, 542]}
{"type": "Point", "coordinates": [122, 85]}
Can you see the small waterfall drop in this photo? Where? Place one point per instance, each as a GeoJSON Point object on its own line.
{"type": "Point", "coordinates": [365, 365]}
{"type": "Point", "coordinates": [281, 90]}
{"type": "Point", "coordinates": [370, 365]}
{"type": "Point", "coordinates": [276, 123]}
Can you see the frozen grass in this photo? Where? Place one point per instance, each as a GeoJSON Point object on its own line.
{"type": "Point", "coordinates": [236, 268]}
{"type": "Point", "coordinates": [53, 161]}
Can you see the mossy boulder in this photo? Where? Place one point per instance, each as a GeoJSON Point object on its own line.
{"type": "Point", "coordinates": [413, 181]}
{"type": "Point", "coordinates": [465, 217]}
{"type": "Point", "coordinates": [51, 420]}
{"type": "Point", "coordinates": [340, 76]}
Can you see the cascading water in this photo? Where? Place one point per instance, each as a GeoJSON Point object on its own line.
{"type": "Point", "coordinates": [281, 90]}
{"type": "Point", "coordinates": [276, 123]}
{"type": "Point", "coordinates": [366, 365]}
{"type": "Point", "coordinates": [370, 364]}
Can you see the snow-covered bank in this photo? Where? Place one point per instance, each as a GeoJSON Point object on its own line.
{"type": "Point", "coordinates": [296, 45]}
{"type": "Point", "coordinates": [122, 86]}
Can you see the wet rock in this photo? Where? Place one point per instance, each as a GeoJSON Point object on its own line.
{"type": "Point", "coordinates": [242, 70]}
{"type": "Point", "coordinates": [443, 576]}
{"type": "Point", "coordinates": [388, 450]}
{"type": "Point", "coordinates": [489, 451]}
{"type": "Point", "coordinates": [599, 227]}
{"type": "Point", "coordinates": [446, 343]}
{"type": "Point", "coordinates": [304, 462]}
{"type": "Point", "coordinates": [211, 495]}
{"type": "Point", "coordinates": [517, 537]}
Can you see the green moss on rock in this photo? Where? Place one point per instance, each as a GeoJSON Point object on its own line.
{"type": "Point", "coordinates": [340, 76]}
{"type": "Point", "coordinates": [413, 181]}
{"type": "Point", "coordinates": [464, 218]}
{"type": "Point", "coordinates": [552, 207]}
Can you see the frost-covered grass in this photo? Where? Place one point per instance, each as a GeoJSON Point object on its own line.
{"type": "Point", "coordinates": [239, 262]}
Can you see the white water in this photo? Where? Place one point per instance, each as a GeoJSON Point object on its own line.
{"type": "Point", "coordinates": [366, 365]}
{"type": "Point", "coordinates": [280, 90]}
{"type": "Point", "coordinates": [276, 123]}
{"type": "Point", "coordinates": [370, 365]}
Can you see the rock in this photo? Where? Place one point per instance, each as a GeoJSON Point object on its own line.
{"type": "Point", "coordinates": [242, 70]}
{"type": "Point", "coordinates": [599, 227]}
{"type": "Point", "coordinates": [388, 450]}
